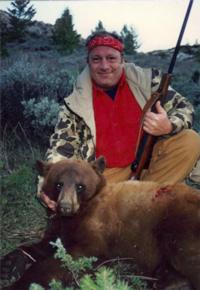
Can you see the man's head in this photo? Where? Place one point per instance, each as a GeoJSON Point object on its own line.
{"type": "Point", "coordinates": [105, 58]}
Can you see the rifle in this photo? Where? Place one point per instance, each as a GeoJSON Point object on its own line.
{"type": "Point", "coordinates": [146, 141]}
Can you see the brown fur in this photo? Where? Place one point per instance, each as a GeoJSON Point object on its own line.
{"type": "Point", "coordinates": [142, 220]}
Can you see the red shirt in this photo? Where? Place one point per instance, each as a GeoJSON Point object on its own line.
{"type": "Point", "coordinates": [117, 124]}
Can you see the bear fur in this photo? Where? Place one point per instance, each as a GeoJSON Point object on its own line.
{"type": "Point", "coordinates": [150, 223]}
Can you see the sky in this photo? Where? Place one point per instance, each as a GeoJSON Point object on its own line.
{"type": "Point", "coordinates": [156, 22]}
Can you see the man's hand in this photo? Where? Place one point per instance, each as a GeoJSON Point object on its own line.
{"type": "Point", "coordinates": [157, 124]}
{"type": "Point", "coordinates": [51, 204]}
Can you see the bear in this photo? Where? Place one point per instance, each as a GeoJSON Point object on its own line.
{"type": "Point", "coordinates": [152, 223]}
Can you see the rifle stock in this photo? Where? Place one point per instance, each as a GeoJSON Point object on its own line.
{"type": "Point", "coordinates": [147, 141]}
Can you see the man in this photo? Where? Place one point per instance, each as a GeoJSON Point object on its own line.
{"type": "Point", "coordinates": [102, 117]}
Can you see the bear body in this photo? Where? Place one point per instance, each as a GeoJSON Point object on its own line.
{"type": "Point", "coordinates": [150, 223]}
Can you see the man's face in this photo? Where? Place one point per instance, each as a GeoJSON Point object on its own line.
{"type": "Point", "coordinates": [106, 66]}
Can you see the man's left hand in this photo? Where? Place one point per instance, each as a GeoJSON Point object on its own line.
{"type": "Point", "coordinates": [157, 124]}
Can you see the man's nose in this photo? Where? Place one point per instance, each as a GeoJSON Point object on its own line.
{"type": "Point", "coordinates": [104, 63]}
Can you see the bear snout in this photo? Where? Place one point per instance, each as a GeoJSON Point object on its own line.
{"type": "Point", "coordinates": [66, 208]}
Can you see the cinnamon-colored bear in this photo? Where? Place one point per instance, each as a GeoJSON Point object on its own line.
{"type": "Point", "coordinates": [151, 223]}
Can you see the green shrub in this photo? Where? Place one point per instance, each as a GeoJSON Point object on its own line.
{"type": "Point", "coordinates": [101, 278]}
{"type": "Point", "coordinates": [27, 79]}
{"type": "Point", "coordinates": [42, 115]}
{"type": "Point", "coordinates": [105, 278]}
{"type": "Point", "coordinates": [76, 267]}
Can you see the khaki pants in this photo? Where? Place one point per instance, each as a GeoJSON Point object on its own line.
{"type": "Point", "coordinates": [172, 160]}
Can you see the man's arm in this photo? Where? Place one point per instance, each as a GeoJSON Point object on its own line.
{"type": "Point", "coordinates": [65, 141]}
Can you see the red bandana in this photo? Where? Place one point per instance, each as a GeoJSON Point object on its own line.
{"type": "Point", "coordinates": [105, 41]}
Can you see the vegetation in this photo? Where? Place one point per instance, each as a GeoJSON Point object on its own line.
{"type": "Point", "coordinates": [129, 37]}
{"type": "Point", "coordinates": [20, 17]}
{"type": "Point", "coordinates": [99, 27]}
{"type": "Point", "coordinates": [31, 92]}
{"type": "Point", "coordinates": [65, 36]}
{"type": "Point", "coordinates": [4, 40]}
{"type": "Point", "coordinates": [99, 278]}
{"type": "Point", "coordinates": [22, 216]}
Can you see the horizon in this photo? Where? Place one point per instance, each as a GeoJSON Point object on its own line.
{"type": "Point", "coordinates": [143, 15]}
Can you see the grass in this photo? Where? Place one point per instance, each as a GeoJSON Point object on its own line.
{"type": "Point", "coordinates": [22, 217]}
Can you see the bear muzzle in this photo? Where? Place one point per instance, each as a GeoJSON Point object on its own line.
{"type": "Point", "coordinates": [67, 208]}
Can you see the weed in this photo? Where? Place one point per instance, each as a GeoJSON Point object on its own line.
{"type": "Point", "coordinates": [105, 278]}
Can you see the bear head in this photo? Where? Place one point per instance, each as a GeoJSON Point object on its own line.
{"type": "Point", "coordinates": [70, 183]}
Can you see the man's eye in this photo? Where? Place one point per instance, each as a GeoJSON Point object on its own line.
{"type": "Point", "coordinates": [80, 187]}
{"type": "Point", "coordinates": [59, 186]}
{"type": "Point", "coordinates": [111, 58]}
{"type": "Point", "coordinates": [95, 59]}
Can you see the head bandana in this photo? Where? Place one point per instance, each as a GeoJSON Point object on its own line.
{"type": "Point", "coordinates": [105, 41]}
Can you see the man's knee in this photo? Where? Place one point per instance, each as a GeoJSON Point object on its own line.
{"type": "Point", "coordinates": [187, 142]}
{"type": "Point", "coordinates": [190, 142]}
{"type": "Point", "coordinates": [190, 136]}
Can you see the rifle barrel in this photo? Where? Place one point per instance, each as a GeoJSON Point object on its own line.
{"type": "Point", "coordinates": [173, 60]}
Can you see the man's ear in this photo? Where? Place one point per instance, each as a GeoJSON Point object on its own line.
{"type": "Point", "coordinates": [99, 164]}
{"type": "Point", "coordinates": [43, 167]}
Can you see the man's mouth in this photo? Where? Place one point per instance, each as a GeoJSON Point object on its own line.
{"type": "Point", "coordinates": [105, 74]}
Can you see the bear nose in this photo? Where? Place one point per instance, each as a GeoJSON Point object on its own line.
{"type": "Point", "coordinates": [65, 208]}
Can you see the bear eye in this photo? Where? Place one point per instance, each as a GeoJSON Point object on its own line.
{"type": "Point", "coordinates": [59, 186]}
{"type": "Point", "coordinates": [80, 187]}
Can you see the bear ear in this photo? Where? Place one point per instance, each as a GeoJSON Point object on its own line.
{"type": "Point", "coordinates": [99, 164]}
{"type": "Point", "coordinates": [43, 167]}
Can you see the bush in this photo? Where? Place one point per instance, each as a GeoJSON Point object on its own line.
{"type": "Point", "coordinates": [27, 79]}
{"type": "Point", "coordinates": [41, 115]}
{"type": "Point", "coordinates": [100, 279]}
